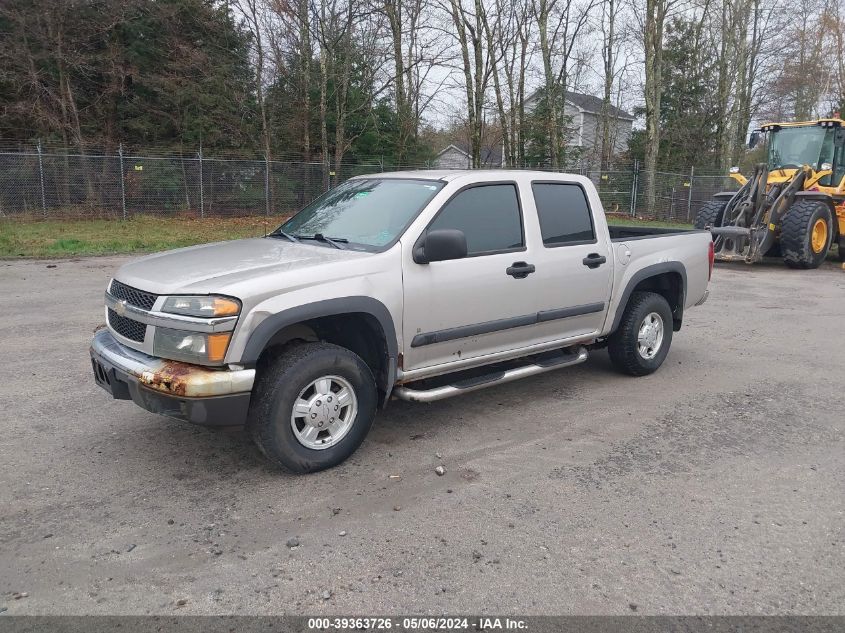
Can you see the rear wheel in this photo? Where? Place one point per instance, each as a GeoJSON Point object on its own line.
{"type": "Point", "coordinates": [842, 249]}
{"type": "Point", "coordinates": [710, 214]}
{"type": "Point", "coordinates": [806, 234]}
{"type": "Point", "coordinates": [312, 406]}
{"type": "Point", "coordinates": [640, 344]}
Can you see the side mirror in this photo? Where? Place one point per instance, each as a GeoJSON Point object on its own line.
{"type": "Point", "coordinates": [440, 245]}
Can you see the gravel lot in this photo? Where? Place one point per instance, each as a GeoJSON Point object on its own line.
{"type": "Point", "coordinates": [716, 486]}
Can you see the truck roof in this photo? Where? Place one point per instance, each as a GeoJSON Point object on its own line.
{"type": "Point", "coordinates": [454, 174]}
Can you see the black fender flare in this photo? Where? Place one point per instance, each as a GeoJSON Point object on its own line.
{"type": "Point", "coordinates": [275, 323]}
{"type": "Point", "coordinates": [646, 273]}
{"type": "Point", "coordinates": [821, 196]}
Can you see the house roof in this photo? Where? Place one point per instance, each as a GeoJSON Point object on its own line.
{"type": "Point", "coordinates": [489, 155]}
{"type": "Point", "coordinates": [589, 103]}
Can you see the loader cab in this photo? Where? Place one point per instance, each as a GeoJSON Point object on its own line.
{"type": "Point", "coordinates": [816, 144]}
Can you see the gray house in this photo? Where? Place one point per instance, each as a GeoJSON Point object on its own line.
{"type": "Point", "coordinates": [586, 112]}
{"type": "Point", "coordinates": [585, 131]}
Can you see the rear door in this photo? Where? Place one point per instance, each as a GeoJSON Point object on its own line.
{"type": "Point", "coordinates": [574, 263]}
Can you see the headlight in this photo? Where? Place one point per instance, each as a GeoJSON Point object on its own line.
{"type": "Point", "coordinates": [191, 347]}
{"type": "Point", "coordinates": [203, 306]}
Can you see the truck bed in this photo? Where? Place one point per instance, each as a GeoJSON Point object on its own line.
{"type": "Point", "coordinates": [619, 233]}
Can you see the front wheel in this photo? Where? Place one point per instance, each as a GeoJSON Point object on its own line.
{"type": "Point", "coordinates": [312, 406]}
{"type": "Point", "coordinates": [640, 344]}
{"type": "Point", "coordinates": [806, 234]}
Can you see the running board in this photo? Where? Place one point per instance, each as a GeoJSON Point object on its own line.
{"type": "Point", "coordinates": [489, 380]}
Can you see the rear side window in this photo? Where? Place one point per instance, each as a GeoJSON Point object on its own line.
{"type": "Point", "coordinates": [488, 215]}
{"type": "Point", "coordinates": [564, 214]}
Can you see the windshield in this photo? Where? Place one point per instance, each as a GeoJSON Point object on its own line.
{"type": "Point", "coordinates": [367, 212]}
{"type": "Point", "coordinates": [793, 147]}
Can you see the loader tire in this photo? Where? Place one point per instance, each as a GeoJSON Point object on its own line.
{"type": "Point", "coordinates": [806, 234]}
{"type": "Point", "coordinates": [842, 249]}
{"type": "Point", "coordinates": [710, 214]}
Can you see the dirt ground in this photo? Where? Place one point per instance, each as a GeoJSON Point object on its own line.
{"type": "Point", "coordinates": [716, 486]}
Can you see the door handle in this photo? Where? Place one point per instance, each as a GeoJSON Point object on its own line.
{"type": "Point", "coordinates": [520, 270]}
{"type": "Point", "coordinates": [594, 260]}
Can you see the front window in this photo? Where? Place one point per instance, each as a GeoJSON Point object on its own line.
{"type": "Point", "coordinates": [792, 147]}
{"type": "Point", "coordinates": [367, 213]}
{"type": "Point", "coordinates": [488, 216]}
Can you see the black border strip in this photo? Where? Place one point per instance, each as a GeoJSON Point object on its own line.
{"type": "Point", "coordinates": [487, 327]}
{"type": "Point", "coordinates": [414, 623]}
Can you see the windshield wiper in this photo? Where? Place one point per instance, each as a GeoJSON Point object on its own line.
{"type": "Point", "coordinates": [334, 241]}
{"type": "Point", "coordinates": [279, 232]}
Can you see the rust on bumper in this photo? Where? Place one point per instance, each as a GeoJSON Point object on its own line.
{"type": "Point", "coordinates": [172, 377]}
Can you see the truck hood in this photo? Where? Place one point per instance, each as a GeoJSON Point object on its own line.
{"type": "Point", "coordinates": [213, 267]}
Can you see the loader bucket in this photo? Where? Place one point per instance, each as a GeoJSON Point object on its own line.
{"type": "Point", "coordinates": [734, 243]}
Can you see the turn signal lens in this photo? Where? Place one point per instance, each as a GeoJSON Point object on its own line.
{"type": "Point", "coordinates": [217, 344]}
{"type": "Point", "coordinates": [226, 307]}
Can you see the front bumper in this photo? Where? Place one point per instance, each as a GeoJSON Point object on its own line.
{"type": "Point", "coordinates": [211, 397]}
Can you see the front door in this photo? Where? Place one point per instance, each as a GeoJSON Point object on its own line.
{"type": "Point", "coordinates": [470, 307]}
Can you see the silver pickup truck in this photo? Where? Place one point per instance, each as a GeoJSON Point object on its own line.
{"type": "Point", "coordinates": [417, 285]}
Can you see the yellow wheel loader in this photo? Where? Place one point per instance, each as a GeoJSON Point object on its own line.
{"type": "Point", "coordinates": [792, 206]}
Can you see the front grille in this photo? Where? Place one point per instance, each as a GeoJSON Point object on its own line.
{"type": "Point", "coordinates": [129, 328]}
{"type": "Point", "coordinates": [132, 296]}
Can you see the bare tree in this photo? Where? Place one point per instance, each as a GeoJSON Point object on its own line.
{"type": "Point", "coordinates": [561, 23]}
{"type": "Point", "coordinates": [349, 34]}
{"type": "Point", "coordinates": [476, 66]}
{"type": "Point", "coordinates": [655, 21]}
{"type": "Point", "coordinates": [761, 23]}
{"type": "Point", "coordinates": [615, 65]}
{"type": "Point", "coordinates": [835, 17]}
{"type": "Point", "coordinates": [254, 13]}
{"type": "Point", "coordinates": [498, 38]}
{"type": "Point", "coordinates": [418, 47]}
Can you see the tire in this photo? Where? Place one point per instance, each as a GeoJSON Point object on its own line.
{"type": "Point", "coordinates": [796, 236]}
{"type": "Point", "coordinates": [710, 214]}
{"type": "Point", "coordinates": [842, 249]}
{"type": "Point", "coordinates": [280, 386]}
{"type": "Point", "coordinates": [624, 345]}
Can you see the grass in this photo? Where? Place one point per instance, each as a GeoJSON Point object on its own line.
{"type": "Point", "coordinates": [147, 234]}
{"type": "Point", "coordinates": [627, 220]}
{"type": "Point", "coordinates": [141, 234]}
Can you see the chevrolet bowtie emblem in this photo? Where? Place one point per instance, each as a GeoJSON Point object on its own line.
{"type": "Point", "coordinates": [120, 307]}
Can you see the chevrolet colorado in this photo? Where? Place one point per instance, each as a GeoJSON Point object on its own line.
{"type": "Point", "coordinates": [417, 285]}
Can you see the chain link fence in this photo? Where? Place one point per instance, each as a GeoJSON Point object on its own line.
{"type": "Point", "coordinates": [41, 184]}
